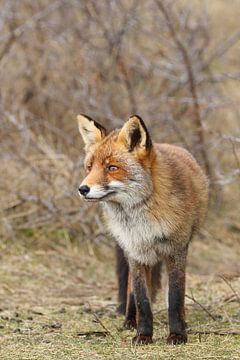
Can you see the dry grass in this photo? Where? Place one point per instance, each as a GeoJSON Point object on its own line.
{"type": "Point", "coordinates": [49, 299]}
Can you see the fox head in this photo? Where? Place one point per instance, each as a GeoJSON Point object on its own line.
{"type": "Point", "coordinates": [118, 164]}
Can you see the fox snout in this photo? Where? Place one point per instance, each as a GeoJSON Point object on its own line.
{"type": "Point", "coordinates": [95, 192]}
{"type": "Point", "coordinates": [84, 190]}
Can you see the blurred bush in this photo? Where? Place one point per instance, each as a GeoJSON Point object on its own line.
{"type": "Point", "coordinates": [109, 59]}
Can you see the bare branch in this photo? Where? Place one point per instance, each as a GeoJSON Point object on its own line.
{"type": "Point", "coordinates": [200, 141]}
{"type": "Point", "coordinates": [201, 306]}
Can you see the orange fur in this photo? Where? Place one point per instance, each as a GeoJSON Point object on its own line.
{"type": "Point", "coordinates": [155, 198]}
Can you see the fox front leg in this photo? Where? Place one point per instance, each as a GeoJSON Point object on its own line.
{"type": "Point", "coordinates": [144, 318]}
{"type": "Point", "coordinates": [176, 266]}
{"type": "Point", "coordinates": [130, 322]}
{"type": "Point", "coordinates": [122, 270]}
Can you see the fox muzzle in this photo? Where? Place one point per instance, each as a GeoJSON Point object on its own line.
{"type": "Point", "coordinates": [84, 190]}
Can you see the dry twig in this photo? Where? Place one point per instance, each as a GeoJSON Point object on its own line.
{"type": "Point", "coordinates": [231, 287]}
{"type": "Point", "coordinates": [213, 332]}
{"type": "Point", "coordinates": [201, 306]}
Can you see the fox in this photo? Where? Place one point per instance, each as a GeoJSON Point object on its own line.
{"type": "Point", "coordinates": [154, 199]}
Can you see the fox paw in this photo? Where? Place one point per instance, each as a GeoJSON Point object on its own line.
{"type": "Point", "coordinates": [142, 340]}
{"type": "Point", "coordinates": [176, 339]}
{"type": "Point", "coordinates": [130, 324]}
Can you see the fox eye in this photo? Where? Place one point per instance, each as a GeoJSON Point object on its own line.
{"type": "Point", "coordinates": [112, 168]}
{"type": "Point", "coordinates": [89, 167]}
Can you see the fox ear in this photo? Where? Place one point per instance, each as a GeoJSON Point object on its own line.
{"type": "Point", "coordinates": [135, 134]}
{"type": "Point", "coordinates": [91, 131]}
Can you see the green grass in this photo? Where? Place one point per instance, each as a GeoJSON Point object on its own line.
{"type": "Point", "coordinates": [49, 297]}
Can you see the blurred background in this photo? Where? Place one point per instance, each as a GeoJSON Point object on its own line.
{"type": "Point", "coordinates": [175, 63]}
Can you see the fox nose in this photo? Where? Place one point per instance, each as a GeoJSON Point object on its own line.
{"type": "Point", "coordinates": [84, 190]}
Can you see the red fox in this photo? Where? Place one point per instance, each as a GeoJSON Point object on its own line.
{"type": "Point", "coordinates": [154, 198]}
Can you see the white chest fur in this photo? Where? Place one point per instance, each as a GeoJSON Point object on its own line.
{"type": "Point", "coordinates": [142, 237]}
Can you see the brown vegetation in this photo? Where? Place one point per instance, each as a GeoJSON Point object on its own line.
{"type": "Point", "coordinates": [165, 60]}
{"type": "Point", "coordinates": [175, 63]}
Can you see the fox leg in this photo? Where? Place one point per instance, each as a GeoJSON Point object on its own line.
{"type": "Point", "coordinates": [122, 270]}
{"type": "Point", "coordinates": [176, 267]}
{"type": "Point", "coordinates": [140, 276]}
{"type": "Point", "coordinates": [130, 317]}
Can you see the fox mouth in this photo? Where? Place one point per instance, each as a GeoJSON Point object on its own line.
{"type": "Point", "coordinates": [99, 198]}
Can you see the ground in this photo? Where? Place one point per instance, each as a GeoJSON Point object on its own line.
{"type": "Point", "coordinates": [60, 303]}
